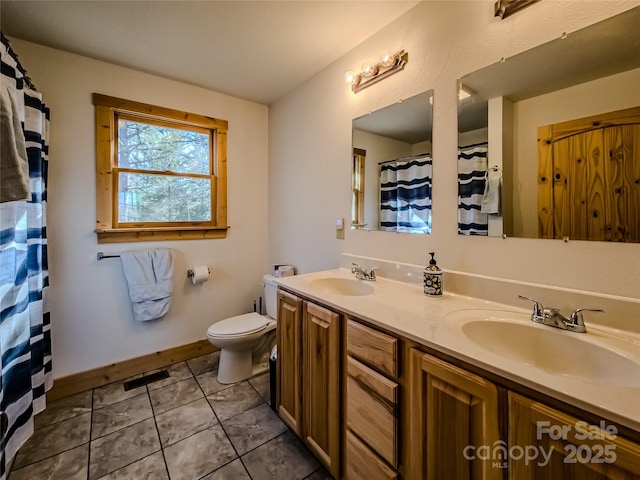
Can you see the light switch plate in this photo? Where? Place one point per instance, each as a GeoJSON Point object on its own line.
{"type": "Point", "coordinates": [340, 228]}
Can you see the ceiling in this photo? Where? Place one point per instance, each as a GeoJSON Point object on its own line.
{"type": "Point", "coordinates": [256, 50]}
{"type": "Point", "coordinates": [605, 48]}
{"type": "Point", "coordinates": [599, 50]}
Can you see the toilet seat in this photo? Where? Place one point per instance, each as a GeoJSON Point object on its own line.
{"type": "Point", "coordinates": [238, 326]}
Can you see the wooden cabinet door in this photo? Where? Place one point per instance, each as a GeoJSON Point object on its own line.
{"type": "Point", "coordinates": [321, 382]}
{"type": "Point", "coordinates": [453, 412]}
{"type": "Point", "coordinates": [563, 448]}
{"type": "Point", "coordinates": [289, 363]}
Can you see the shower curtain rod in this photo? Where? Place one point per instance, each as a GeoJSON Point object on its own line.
{"type": "Point", "coordinates": [404, 158]}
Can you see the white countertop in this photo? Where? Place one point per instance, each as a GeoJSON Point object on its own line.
{"type": "Point", "coordinates": [404, 309]}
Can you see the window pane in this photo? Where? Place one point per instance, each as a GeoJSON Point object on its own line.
{"type": "Point", "coordinates": [163, 198]}
{"type": "Point", "coordinates": [153, 147]}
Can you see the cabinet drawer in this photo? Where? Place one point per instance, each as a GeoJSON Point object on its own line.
{"type": "Point", "coordinates": [363, 464]}
{"type": "Point", "coordinates": [372, 409]}
{"type": "Point", "coordinates": [375, 348]}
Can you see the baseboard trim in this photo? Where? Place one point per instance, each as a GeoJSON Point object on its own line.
{"type": "Point", "coordinates": [79, 382]}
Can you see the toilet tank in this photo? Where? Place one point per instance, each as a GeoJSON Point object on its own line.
{"type": "Point", "coordinates": [270, 295]}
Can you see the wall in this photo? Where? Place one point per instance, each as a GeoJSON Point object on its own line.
{"type": "Point", "coordinates": [474, 136]}
{"type": "Point", "coordinates": [92, 323]}
{"type": "Point", "coordinates": [310, 145]}
{"type": "Point", "coordinates": [422, 147]}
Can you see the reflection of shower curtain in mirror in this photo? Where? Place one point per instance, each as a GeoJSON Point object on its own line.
{"type": "Point", "coordinates": [405, 194]}
{"type": "Point", "coordinates": [472, 167]}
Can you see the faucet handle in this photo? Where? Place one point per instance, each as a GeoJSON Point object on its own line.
{"type": "Point", "coordinates": [576, 315]}
{"type": "Point", "coordinates": [538, 309]}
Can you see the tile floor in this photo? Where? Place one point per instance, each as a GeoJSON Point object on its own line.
{"type": "Point", "coordinates": [185, 427]}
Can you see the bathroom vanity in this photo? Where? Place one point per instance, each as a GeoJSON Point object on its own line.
{"type": "Point", "coordinates": [382, 382]}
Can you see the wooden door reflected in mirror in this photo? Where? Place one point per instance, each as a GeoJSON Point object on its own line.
{"type": "Point", "coordinates": [589, 178]}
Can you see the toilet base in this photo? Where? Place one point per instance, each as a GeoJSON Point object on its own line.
{"type": "Point", "coordinates": [233, 367]}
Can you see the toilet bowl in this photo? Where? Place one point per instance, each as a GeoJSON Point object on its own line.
{"type": "Point", "coordinates": [246, 340]}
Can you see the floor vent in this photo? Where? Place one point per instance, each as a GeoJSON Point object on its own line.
{"type": "Point", "coordinates": [145, 379]}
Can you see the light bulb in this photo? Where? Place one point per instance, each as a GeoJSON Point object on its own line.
{"type": "Point", "coordinates": [369, 69]}
{"type": "Point", "coordinates": [388, 59]}
{"type": "Point", "coordinates": [351, 78]}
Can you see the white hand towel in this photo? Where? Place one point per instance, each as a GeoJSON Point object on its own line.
{"type": "Point", "coordinates": [149, 277]}
{"type": "Point", "coordinates": [491, 199]}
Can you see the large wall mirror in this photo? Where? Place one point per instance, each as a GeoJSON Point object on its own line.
{"type": "Point", "coordinates": [392, 167]}
{"type": "Point", "coordinates": [549, 140]}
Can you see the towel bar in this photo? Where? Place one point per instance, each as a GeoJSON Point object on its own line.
{"type": "Point", "coordinates": [101, 255]}
{"type": "Point", "coordinates": [495, 168]}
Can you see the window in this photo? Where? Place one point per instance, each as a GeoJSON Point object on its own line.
{"type": "Point", "coordinates": [161, 173]}
{"type": "Point", "coordinates": [357, 187]}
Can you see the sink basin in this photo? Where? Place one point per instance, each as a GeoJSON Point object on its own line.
{"type": "Point", "coordinates": [513, 336]}
{"type": "Point", "coordinates": [342, 286]}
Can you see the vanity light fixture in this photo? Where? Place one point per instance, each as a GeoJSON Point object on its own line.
{"type": "Point", "coordinates": [373, 73]}
{"type": "Point", "coordinates": [505, 8]}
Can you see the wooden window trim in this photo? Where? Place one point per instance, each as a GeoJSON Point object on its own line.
{"type": "Point", "coordinates": [107, 230]}
{"type": "Point", "coordinates": [357, 188]}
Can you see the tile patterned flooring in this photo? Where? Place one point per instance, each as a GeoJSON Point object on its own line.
{"type": "Point", "coordinates": [185, 427]}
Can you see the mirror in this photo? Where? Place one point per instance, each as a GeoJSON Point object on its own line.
{"type": "Point", "coordinates": [392, 167]}
{"type": "Point", "coordinates": [550, 139]}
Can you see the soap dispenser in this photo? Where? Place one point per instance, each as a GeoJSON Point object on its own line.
{"type": "Point", "coordinates": [432, 277]}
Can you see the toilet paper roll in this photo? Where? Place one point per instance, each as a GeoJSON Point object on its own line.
{"type": "Point", "coordinates": [200, 274]}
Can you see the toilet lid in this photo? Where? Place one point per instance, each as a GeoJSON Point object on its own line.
{"type": "Point", "coordinates": [239, 325]}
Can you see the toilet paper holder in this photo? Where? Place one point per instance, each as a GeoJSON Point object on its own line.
{"type": "Point", "coordinates": [190, 272]}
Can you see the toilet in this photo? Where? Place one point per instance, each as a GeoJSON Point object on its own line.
{"type": "Point", "coordinates": [246, 340]}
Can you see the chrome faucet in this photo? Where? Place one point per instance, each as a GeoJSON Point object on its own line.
{"type": "Point", "coordinates": [553, 317]}
{"type": "Point", "coordinates": [363, 274]}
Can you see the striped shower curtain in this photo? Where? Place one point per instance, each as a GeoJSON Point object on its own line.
{"type": "Point", "coordinates": [25, 340]}
{"type": "Point", "coordinates": [472, 167]}
{"type": "Point", "coordinates": [405, 194]}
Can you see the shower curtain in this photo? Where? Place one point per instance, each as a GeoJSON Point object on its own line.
{"type": "Point", "coordinates": [472, 167]}
{"type": "Point", "coordinates": [405, 194]}
{"type": "Point", "coordinates": [25, 340]}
